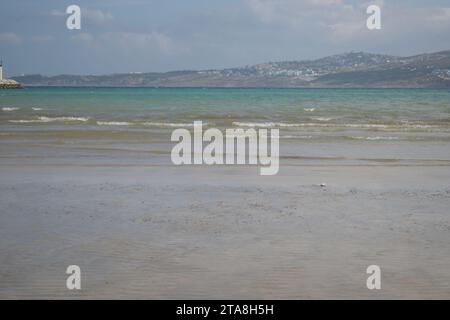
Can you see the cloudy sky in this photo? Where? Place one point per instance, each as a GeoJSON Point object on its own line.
{"type": "Point", "coordinates": [162, 35]}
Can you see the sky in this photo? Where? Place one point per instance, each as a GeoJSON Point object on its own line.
{"type": "Point", "coordinates": [118, 36]}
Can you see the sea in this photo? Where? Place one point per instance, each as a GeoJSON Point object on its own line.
{"type": "Point", "coordinates": [134, 125]}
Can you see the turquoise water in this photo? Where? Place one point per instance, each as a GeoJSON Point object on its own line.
{"type": "Point", "coordinates": [297, 112]}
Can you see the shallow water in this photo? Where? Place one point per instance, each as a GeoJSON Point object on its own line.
{"type": "Point", "coordinates": [361, 114]}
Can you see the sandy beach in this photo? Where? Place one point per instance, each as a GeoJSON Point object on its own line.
{"type": "Point", "coordinates": [151, 230]}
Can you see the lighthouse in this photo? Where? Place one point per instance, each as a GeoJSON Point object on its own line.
{"type": "Point", "coordinates": [8, 84]}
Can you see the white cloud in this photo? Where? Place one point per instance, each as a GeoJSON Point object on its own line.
{"type": "Point", "coordinates": [57, 13]}
{"type": "Point", "coordinates": [338, 22]}
{"type": "Point", "coordinates": [290, 11]}
{"type": "Point", "coordinates": [10, 38]}
{"type": "Point", "coordinates": [96, 16]}
{"type": "Point", "coordinates": [326, 18]}
{"type": "Point", "coordinates": [154, 41]}
{"type": "Point", "coordinates": [42, 38]}
{"type": "Point", "coordinates": [441, 15]}
{"type": "Point", "coordinates": [83, 38]}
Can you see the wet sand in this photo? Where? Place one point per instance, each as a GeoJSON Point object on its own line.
{"type": "Point", "coordinates": [152, 230]}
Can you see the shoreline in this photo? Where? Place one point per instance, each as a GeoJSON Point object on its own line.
{"type": "Point", "coordinates": [445, 88]}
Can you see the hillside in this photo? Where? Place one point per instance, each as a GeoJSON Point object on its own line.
{"type": "Point", "coordinates": [354, 69]}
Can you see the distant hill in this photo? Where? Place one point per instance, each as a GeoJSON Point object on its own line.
{"type": "Point", "coordinates": [354, 69]}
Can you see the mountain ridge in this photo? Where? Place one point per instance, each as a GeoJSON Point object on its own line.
{"type": "Point", "coordinates": [351, 69]}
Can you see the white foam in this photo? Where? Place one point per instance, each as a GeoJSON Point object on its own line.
{"type": "Point", "coordinates": [321, 118]}
{"type": "Point", "coordinates": [375, 138]}
{"type": "Point", "coordinates": [403, 126]}
{"type": "Point", "coordinates": [336, 125]}
{"type": "Point", "coordinates": [113, 123]}
{"type": "Point", "coordinates": [63, 119]}
{"type": "Point", "coordinates": [365, 125]}
{"type": "Point", "coordinates": [309, 109]}
{"type": "Point", "coordinates": [36, 108]}
{"type": "Point", "coordinates": [295, 137]}
{"type": "Point", "coordinates": [169, 124]}
{"type": "Point", "coordinates": [263, 124]}
{"type": "Point", "coordinates": [9, 109]}
{"type": "Point", "coordinates": [285, 136]}
{"type": "Point", "coordinates": [48, 119]}
{"type": "Point", "coordinates": [278, 124]}
{"type": "Point", "coordinates": [420, 126]}
{"type": "Point", "coordinates": [24, 121]}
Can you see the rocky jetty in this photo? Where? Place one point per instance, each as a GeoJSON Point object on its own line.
{"type": "Point", "coordinates": [10, 84]}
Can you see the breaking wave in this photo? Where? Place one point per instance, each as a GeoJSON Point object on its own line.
{"type": "Point", "coordinates": [387, 127]}
{"type": "Point", "coordinates": [169, 124]}
{"type": "Point", "coordinates": [374, 138]}
{"type": "Point", "coordinates": [54, 119]}
{"type": "Point", "coordinates": [321, 118]}
{"type": "Point", "coordinates": [113, 123]}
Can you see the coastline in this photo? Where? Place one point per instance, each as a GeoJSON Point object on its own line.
{"type": "Point", "coordinates": [205, 86]}
{"type": "Point", "coordinates": [347, 70]}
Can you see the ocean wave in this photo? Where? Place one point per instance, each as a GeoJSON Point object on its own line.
{"type": "Point", "coordinates": [421, 126]}
{"type": "Point", "coordinates": [9, 109]}
{"type": "Point", "coordinates": [366, 125]}
{"type": "Point", "coordinates": [113, 123]}
{"type": "Point", "coordinates": [257, 134]}
{"type": "Point", "coordinates": [169, 124]}
{"type": "Point", "coordinates": [321, 118]}
{"type": "Point", "coordinates": [263, 124]}
{"type": "Point", "coordinates": [280, 124]}
{"type": "Point", "coordinates": [374, 138]}
{"type": "Point", "coordinates": [63, 119]}
{"type": "Point", "coordinates": [36, 109]}
{"type": "Point", "coordinates": [400, 126]}
{"type": "Point", "coordinates": [23, 121]}
{"type": "Point", "coordinates": [48, 119]}
{"type": "Point", "coordinates": [309, 109]}
{"type": "Point", "coordinates": [296, 137]}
